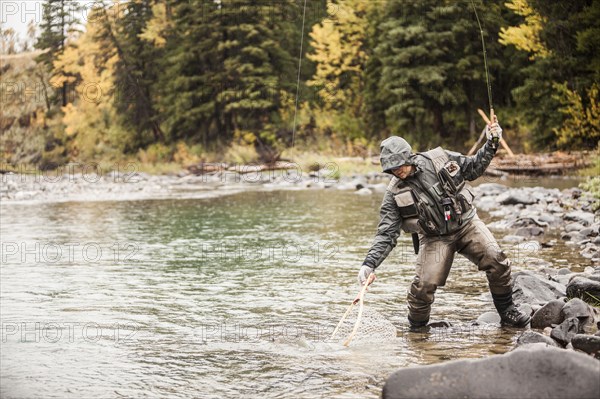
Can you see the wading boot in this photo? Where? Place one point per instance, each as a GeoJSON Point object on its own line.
{"type": "Point", "coordinates": [509, 314]}
{"type": "Point", "coordinates": [417, 326]}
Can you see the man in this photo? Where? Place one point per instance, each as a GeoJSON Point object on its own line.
{"type": "Point", "coordinates": [428, 197]}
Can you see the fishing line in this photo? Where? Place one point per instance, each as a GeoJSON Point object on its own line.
{"type": "Point", "coordinates": [487, 73]}
{"type": "Point", "coordinates": [298, 81]}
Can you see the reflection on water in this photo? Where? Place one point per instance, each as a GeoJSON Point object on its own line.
{"type": "Point", "coordinates": [215, 298]}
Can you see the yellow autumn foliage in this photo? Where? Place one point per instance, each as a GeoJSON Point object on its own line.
{"type": "Point", "coordinates": [90, 120]}
{"type": "Point", "coordinates": [582, 124]}
{"type": "Point", "coordinates": [338, 53]}
{"type": "Point", "coordinates": [154, 31]}
{"type": "Point", "coordinates": [526, 36]}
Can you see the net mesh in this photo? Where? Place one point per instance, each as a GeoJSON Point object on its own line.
{"type": "Point", "coordinates": [373, 327]}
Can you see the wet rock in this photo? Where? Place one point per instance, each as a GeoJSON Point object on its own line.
{"type": "Point", "coordinates": [548, 244]}
{"type": "Point", "coordinates": [573, 227]}
{"type": "Point", "coordinates": [513, 238]}
{"type": "Point", "coordinates": [354, 184]}
{"type": "Point", "coordinates": [566, 236]}
{"type": "Point", "coordinates": [579, 309]}
{"type": "Point", "coordinates": [440, 324]}
{"type": "Point", "coordinates": [587, 343]}
{"type": "Point", "coordinates": [583, 287]}
{"type": "Point", "coordinates": [515, 197]}
{"type": "Point", "coordinates": [590, 250]}
{"type": "Point", "coordinates": [565, 331]}
{"type": "Point", "coordinates": [533, 231]}
{"type": "Point", "coordinates": [533, 289]}
{"type": "Point", "coordinates": [531, 337]}
{"type": "Point", "coordinates": [564, 270]}
{"type": "Point", "coordinates": [490, 189]}
{"type": "Point", "coordinates": [588, 232]}
{"type": "Point", "coordinates": [585, 218]}
{"type": "Point", "coordinates": [548, 314]}
{"type": "Point", "coordinates": [528, 372]}
{"type": "Point", "coordinates": [527, 308]}
{"type": "Point", "coordinates": [363, 191]}
{"type": "Point", "coordinates": [489, 318]}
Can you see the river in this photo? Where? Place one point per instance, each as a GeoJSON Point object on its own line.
{"type": "Point", "coordinates": [228, 297]}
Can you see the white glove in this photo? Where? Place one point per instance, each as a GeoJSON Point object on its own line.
{"type": "Point", "coordinates": [493, 132]}
{"type": "Point", "coordinates": [363, 274]}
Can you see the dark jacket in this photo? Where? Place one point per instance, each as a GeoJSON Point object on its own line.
{"type": "Point", "coordinates": [424, 203]}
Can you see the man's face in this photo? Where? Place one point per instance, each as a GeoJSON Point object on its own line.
{"type": "Point", "coordinates": [402, 172]}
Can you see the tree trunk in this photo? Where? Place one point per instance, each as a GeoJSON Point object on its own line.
{"type": "Point", "coordinates": [438, 122]}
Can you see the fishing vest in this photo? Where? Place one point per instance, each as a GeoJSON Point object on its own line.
{"type": "Point", "coordinates": [436, 202]}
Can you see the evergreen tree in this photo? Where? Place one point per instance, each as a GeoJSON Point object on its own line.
{"type": "Point", "coordinates": [136, 72]}
{"type": "Point", "coordinates": [59, 20]}
{"type": "Point", "coordinates": [225, 68]}
{"type": "Point", "coordinates": [564, 45]}
{"type": "Point", "coordinates": [427, 69]}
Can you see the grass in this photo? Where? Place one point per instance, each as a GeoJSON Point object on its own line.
{"type": "Point", "coordinates": [595, 302]}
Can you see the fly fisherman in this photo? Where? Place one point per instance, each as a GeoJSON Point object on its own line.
{"type": "Point", "coordinates": [428, 197]}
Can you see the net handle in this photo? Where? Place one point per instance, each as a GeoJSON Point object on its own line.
{"type": "Point", "coordinates": [361, 300]}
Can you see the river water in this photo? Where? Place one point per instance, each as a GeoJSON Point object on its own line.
{"type": "Point", "coordinates": [227, 297]}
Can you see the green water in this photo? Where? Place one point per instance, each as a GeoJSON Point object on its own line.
{"type": "Point", "coordinates": [227, 297]}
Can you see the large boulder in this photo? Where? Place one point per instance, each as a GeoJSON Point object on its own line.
{"type": "Point", "coordinates": [532, 371]}
{"type": "Point", "coordinates": [583, 287]}
{"type": "Point", "coordinates": [587, 343]}
{"type": "Point", "coordinates": [548, 314]}
{"type": "Point", "coordinates": [577, 308]}
{"type": "Point", "coordinates": [533, 289]}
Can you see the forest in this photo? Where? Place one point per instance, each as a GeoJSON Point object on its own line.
{"type": "Point", "coordinates": [253, 81]}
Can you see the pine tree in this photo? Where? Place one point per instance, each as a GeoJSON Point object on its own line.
{"type": "Point", "coordinates": [225, 69]}
{"type": "Point", "coordinates": [564, 41]}
{"type": "Point", "coordinates": [427, 68]}
{"type": "Point", "coordinates": [59, 20]}
{"type": "Point", "coordinates": [136, 72]}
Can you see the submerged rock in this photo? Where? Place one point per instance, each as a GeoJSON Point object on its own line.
{"type": "Point", "coordinates": [531, 371]}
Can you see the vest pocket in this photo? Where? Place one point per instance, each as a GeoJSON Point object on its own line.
{"type": "Point", "coordinates": [406, 204]}
{"type": "Point", "coordinates": [466, 198]}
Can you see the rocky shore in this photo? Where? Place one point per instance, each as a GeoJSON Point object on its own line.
{"type": "Point", "coordinates": [557, 357]}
